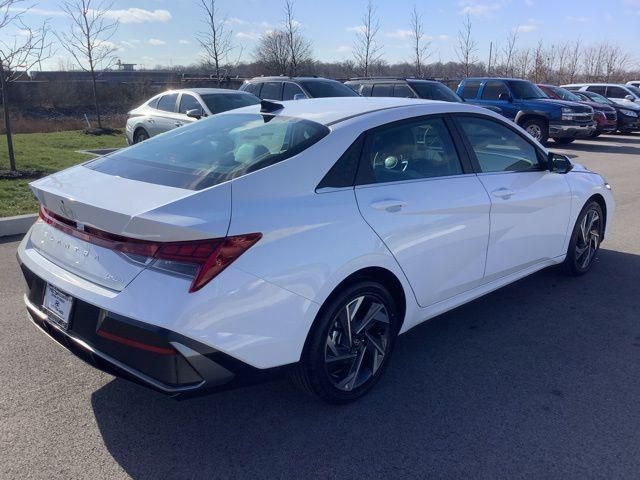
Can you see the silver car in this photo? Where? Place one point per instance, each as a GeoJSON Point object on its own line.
{"type": "Point", "coordinates": [175, 108]}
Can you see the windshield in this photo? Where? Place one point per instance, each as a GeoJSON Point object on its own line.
{"type": "Point", "coordinates": [327, 88]}
{"type": "Point", "coordinates": [435, 91]}
{"type": "Point", "coordinates": [221, 102]}
{"type": "Point", "coordinates": [596, 97]}
{"type": "Point", "coordinates": [526, 90]}
{"type": "Point", "coordinates": [565, 94]}
{"type": "Point", "coordinates": [634, 90]}
{"type": "Point", "coordinates": [212, 151]}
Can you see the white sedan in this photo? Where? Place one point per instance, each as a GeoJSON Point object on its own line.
{"type": "Point", "coordinates": [302, 236]}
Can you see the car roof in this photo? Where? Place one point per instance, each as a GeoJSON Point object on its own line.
{"type": "Point", "coordinates": [497, 78]}
{"type": "Point", "coordinates": [390, 80]}
{"type": "Point", "coordinates": [282, 78]}
{"type": "Point", "coordinates": [600, 84]}
{"type": "Point", "coordinates": [328, 111]}
{"type": "Point", "coordinates": [206, 91]}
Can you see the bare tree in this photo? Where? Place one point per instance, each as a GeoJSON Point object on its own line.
{"type": "Point", "coordinates": [522, 62]}
{"type": "Point", "coordinates": [573, 62]}
{"type": "Point", "coordinates": [467, 47]}
{"type": "Point", "coordinates": [509, 51]}
{"type": "Point", "coordinates": [17, 56]}
{"type": "Point", "coordinates": [273, 51]}
{"type": "Point", "coordinates": [366, 50]}
{"type": "Point", "coordinates": [88, 39]}
{"type": "Point", "coordinates": [615, 61]}
{"type": "Point", "coordinates": [299, 46]}
{"type": "Point", "coordinates": [215, 40]}
{"type": "Point", "coordinates": [420, 45]}
{"type": "Point", "coordinates": [592, 61]}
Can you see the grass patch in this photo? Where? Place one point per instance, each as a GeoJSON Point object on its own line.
{"type": "Point", "coordinates": [48, 152]}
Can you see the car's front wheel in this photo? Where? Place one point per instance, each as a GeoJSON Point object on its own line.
{"type": "Point", "coordinates": [538, 129]}
{"type": "Point", "coordinates": [585, 239]}
{"type": "Point", "coordinates": [350, 344]}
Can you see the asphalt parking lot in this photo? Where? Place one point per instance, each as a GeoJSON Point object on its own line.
{"type": "Point", "coordinates": [538, 380]}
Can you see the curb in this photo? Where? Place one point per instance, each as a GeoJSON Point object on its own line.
{"type": "Point", "coordinates": [17, 225]}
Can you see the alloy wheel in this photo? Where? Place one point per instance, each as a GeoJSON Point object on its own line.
{"type": "Point", "coordinates": [588, 239]}
{"type": "Point", "coordinates": [357, 342]}
{"type": "Point", "coordinates": [535, 131]}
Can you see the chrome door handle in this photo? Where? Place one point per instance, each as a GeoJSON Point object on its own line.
{"type": "Point", "coordinates": [504, 193]}
{"type": "Point", "coordinates": [388, 205]}
{"type": "Point", "coordinates": [150, 120]}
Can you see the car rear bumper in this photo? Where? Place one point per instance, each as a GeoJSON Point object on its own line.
{"type": "Point", "coordinates": [571, 130]}
{"type": "Point", "coordinates": [151, 356]}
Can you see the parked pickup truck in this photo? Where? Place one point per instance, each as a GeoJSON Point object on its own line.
{"type": "Point", "coordinates": [528, 106]}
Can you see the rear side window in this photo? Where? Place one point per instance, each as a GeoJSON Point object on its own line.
{"type": "Point", "coordinates": [597, 89]}
{"type": "Point", "coordinates": [470, 89]}
{"type": "Point", "coordinates": [167, 103]}
{"type": "Point", "coordinates": [402, 91]}
{"type": "Point", "coordinates": [271, 91]}
{"type": "Point", "coordinates": [153, 103]}
{"type": "Point", "coordinates": [413, 150]}
{"type": "Point", "coordinates": [493, 89]}
{"type": "Point", "coordinates": [343, 172]}
{"type": "Point", "coordinates": [213, 150]}
{"type": "Point", "coordinates": [382, 90]}
{"type": "Point", "coordinates": [252, 88]}
{"type": "Point", "coordinates": [497, 147]}
{"type": "Point", "coordinates": [188, 102]}
{"type": "Point", "coordinates": [291, 90]}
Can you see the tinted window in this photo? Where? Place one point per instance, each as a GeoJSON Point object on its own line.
{"type": "Point", "coordinates": [382, 90]}
{"type": "Point", "coordinates": [616, 92]}
{"type": "Point", "coordinates": [290, 90]}
{"type": "Point", "coordinates": [470, 89]}
{"type": "Point", "coordinates": [327, 88]}
{"type": "Point", "coordinates": [167, 103]}
{"type": "Point", "coordinates": [366, 90]}
{"type": "Point", "coordinates": [221, 102]}
{"type": "Point", "coordinates": [497, 147]}
{"type": "Point", "coordinates": [402, 91]}
{"type": "Point", "coordinates": [343, 172]}
{"type": "Point", "coordinates": [252, 88]}
{"type": "Point", "coordinates": [213, 150]}
{"type": "Point", "coordinates": [408, 151]}
{"type": "Point", "coordinates": [435, 91]}
{"type": "Point", "coordinates": [634, 90]}
{"type": "Point", "coordinates": [271, 91]}
{"type": "Point", "coordinates": [492, 90]}
{"type": "Point", "coordinates": [153, 103]}
{"type": "Point", "coordinates": [564, 94]}
{"type": "Point", "coordinates": [526, 90]}
{"type": "Point", "coordinates": [597, 89]}
{"type": "Point", "coordinates": [596, 97]}
{"type": "Point", "coordinates": [188, 102]}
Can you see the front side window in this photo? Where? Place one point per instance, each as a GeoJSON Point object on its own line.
{"type": "Point", "coordinates": [525, 90]}
{"type": "Point", "coordinates": [167, 103]}
{"type": "Point", "coordinates": [213, 150]}
{"type": "Point", "coordinates": [497, 147]}
{"type": "Point", "coordinates": [252, 88]}
{"type": "Point", "coordinates": [418, 149]}
{"type": "Point", "coordinates": [493, 90]}
{"type": "Point", "coordinates": [617, 92]}
{"type": "Point", "coordinates": [221, 102]}
{"type": "Point", "coordinates": [188, 102]}
{"type": "Point", "coordinates": [634, 90]}
{"type": "Point", "coordinates": [291, 90]}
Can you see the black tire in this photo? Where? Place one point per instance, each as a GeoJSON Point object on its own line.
{"type": "Point", "coordinates": [596, 134]}
{"type": "Point", "coordinates": [575, 263]}
{"type": "Point", "coordinates": [140, 135]}
{"type": "Point", "coordinates": [327, 354]}
{"type": "Point", "coordinates": [538, 129]}
{"type": "Point", "coordinates": [563, 141]}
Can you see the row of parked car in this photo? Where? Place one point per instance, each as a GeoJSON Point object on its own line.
{"type": "Point", "coordinates": [561, 113]}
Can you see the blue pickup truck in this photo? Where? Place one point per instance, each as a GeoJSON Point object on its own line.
{"type": "Point", "coordinates": [528, 106]}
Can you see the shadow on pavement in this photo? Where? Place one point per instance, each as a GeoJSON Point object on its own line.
{"type": "Point", "coordinates": [516, 384]}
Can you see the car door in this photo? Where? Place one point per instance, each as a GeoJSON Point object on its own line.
{"type": "Point", "coordinates": [187, 102]}
{"type": "Point", "coordinates": [271, 91]}
{"type": "Point", "coordinates": [418, 193]}
{"type": "Point", "coordinates": [530, 206]}
{"type": "Point", "coordinates": [496, 93]}
{"type": "Point", "coordinates": [165, 119]}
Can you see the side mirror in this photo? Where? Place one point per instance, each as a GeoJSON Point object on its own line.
{"type": "Point", "coordinates": [559, 163]}
{"type": "Point", "coordinates": [631, 98]}
{"type": "Point", "coordinates": [196, 113]}
{"type": "Point", "coordinates": [299, 96]}
{"type": "Point", "coordinates": [505, 96]}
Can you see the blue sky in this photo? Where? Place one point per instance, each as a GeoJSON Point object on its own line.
{"type": "Point", "coordinates": [162, 31]}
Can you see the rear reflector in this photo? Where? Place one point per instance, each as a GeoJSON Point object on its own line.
{"type": "Point", "coordinates": [210, 256]}
{"type": "Point", "coordinates": [135, 344]}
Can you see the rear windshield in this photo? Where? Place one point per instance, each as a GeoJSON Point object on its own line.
{"type": "Point", "coordinates": [435, 91]}
{"type": "Point", "coordinates": [211, 151]}
{"type": "Point", "coordinates": [221, 102]}
{"type": "Point", "coordinates": [327, 88]}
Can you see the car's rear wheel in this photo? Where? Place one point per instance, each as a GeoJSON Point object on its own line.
{"type": "Point", "coordinates": [585, 239]}
{"type": "Point", "coordinates": [140, 135]}
{"type": "Point", "coordinates": [563, 141]}
{"type": "Point", "coordinates": [350, 344]}
{"type": "Point", "coordinates": [537, 129]}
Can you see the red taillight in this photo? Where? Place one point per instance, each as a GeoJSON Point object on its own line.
{"type": "Point", "coordinates": [210, 256]}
